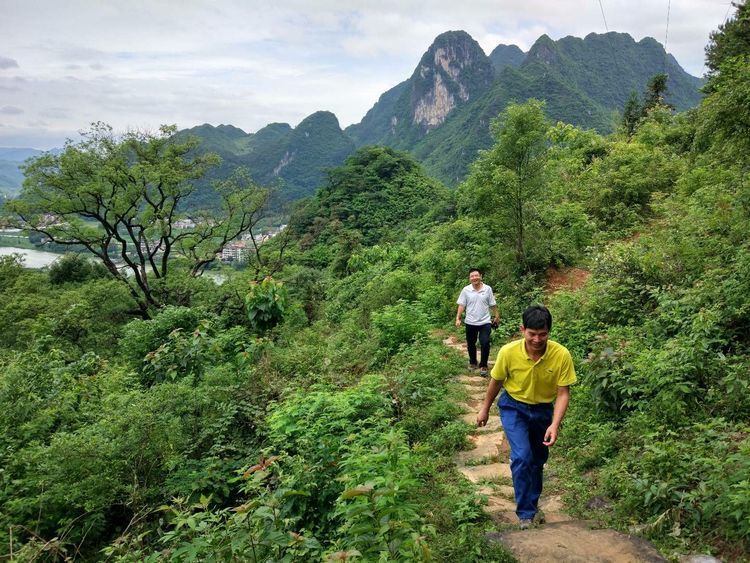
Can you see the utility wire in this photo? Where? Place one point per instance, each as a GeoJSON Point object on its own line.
{"type": "Point", "coordinates": [609, 39]}
{"type": "Point", "coordinates": [726, 15]}
{"type": "Point", "coordinates": [603, 17]}
{"type": "Point", "coordinates": [666, 37]}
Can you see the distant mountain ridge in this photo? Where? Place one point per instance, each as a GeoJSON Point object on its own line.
{"type": "Point", "coordinates": [11, 159]}
{"type": "Point", "coordinates": [441, 113]}
{"type": "Point", "coordinates": [584, 82]}
{"type": "Point", "coordinates": [294, 159]}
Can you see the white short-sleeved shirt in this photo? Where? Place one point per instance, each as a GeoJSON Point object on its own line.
{"type": "Point", "coordinates": [477, 304]}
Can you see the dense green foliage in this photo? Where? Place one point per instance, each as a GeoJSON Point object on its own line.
{"type": "Point", "coordinates": [311, 416]}
{"type": "Point", "coordinates": [379, 195]}
{"type": "Point", "coordinates": [263, 421]}
{"type": "Point", "coordinates": [507, 180]}
{"type": "Point", "coordinates": [121, 198]}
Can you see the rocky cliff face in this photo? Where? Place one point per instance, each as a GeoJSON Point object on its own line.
{"type": "Point", "coordinates": [452, 71]}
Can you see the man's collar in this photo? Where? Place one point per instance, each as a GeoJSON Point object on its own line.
{"type": "Point", "coordinates": [526, 352]}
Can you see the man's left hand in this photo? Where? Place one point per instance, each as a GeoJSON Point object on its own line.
{"type": "Point", "coordinates": [550, 436]}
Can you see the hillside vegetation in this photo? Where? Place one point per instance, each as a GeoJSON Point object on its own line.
{"type": "Point", "coordinates": [310, 416]}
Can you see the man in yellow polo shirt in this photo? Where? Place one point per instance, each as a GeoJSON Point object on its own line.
{"type": "Point", "coordinates": [536, 373]}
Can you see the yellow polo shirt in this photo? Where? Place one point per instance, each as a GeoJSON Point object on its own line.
{"type": "Point", "coordinates": [533, 382]}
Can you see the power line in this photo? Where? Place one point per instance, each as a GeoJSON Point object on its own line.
{"type": "Point", "coordinates": [603, 17]}
{"type": "Point", "coordinates": [666, 37]}
{"type": "Point", "coordinates": [727, 14]}
{"type": "Point", "coordinates": [612, 51]}
{"type": "Point", "coordinates": [666, 33]}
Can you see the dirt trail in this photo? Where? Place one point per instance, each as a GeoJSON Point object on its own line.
{"type": "Point", "coordinates": [562, 538]}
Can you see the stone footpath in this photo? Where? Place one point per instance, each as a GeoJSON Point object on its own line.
{"type": "Point", "coordinates": [562, 538]}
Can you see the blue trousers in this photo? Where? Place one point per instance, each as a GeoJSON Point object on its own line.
{"type": "Point", "coordinates": [524, 426]}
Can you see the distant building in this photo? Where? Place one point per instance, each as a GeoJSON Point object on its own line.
{"type": "Point", "coordinates": [50, 220]}
{"type": "Point", "coordinates": [184, 224]}
{"type": "Point", "coordinates": [236, 251]}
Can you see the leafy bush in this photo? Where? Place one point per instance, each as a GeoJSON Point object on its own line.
{"type": "Point", "coordinates": [378, 516]}
{"type": "Point", "coordinates": [11, 268]}
{"type": "Point", "coordinates": [75, 268]}
{"type": "Point", "coordinates": [399, 324]}
{"type": "Point", "coordinates": [141, 337]}
{"type": "Point", "coordinates": [265, 303]}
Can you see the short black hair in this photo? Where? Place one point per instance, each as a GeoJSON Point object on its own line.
{"type": "Point", "coordinates": [476, 270]}
{"type": "Point", "coordinates": [537, 317]}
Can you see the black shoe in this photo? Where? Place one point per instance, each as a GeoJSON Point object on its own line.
{"type": "Point", "coordinates": [483, 372]}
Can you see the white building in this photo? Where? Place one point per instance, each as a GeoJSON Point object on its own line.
{"type": "Point", "coordinates": [236, 251]}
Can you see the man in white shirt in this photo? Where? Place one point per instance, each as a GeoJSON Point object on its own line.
{"type": "Point", "coordinates": [477, 300]}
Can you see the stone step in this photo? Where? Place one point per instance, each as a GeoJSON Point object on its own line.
{"type": "Point", "coordinates": [499, 504]}
{"type": "Point", "coordinates": [493, 423]}
{"type": "Point", "coordinates": [478, 395]}
{"type": "Point", "coordinates": [473, 380]}
{"type": "Point", "coordinates": [575, 541]}
{"type": "Point", "coordinates": [467, 407]}
{"type": "Point", "coordinates": [486, 446]}
{"type": "Point", "coordinates": [505, 491]}
{"type": "Point", "coordinates": [473, 405]}
{"type": "Point", "coordinates": [490, 472]}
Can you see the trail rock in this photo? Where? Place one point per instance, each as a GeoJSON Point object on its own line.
{"type": "Point", "coordinates": [486, 446]}
{"type": "Point", "coordinates": [490, 472]}
{"type": "Point", "coordinates": [493, 424]}
{"type": "Point", "coordinates": [504, 491]}
{"type": "Point", "coordinates": [576, 542]}
{"type": "Point", "coordinates": [473, 380]}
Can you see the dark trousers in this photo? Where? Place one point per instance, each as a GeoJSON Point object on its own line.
{"type": "Point", "coordinates": [483, 331]}
{"type": "Point", "coordinates": [524, 426]}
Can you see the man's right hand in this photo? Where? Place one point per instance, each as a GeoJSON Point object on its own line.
{"type": "Point", "coordinates": [458, 323]}
{"type": "Point", "coordinates": [483, 417]}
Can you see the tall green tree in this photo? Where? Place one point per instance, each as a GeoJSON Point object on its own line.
{"type": "Point", "coordinates": [632, 114]}
{"type": "Point", "coordinates": [724, 122]}
{"type": "Point", "coordinates": [656, 89]}
{"type": "Point", "coordinates": [507, 181]}
{"type": "Point", "coordinates": [120, 197]}
{"type": "Point", "coordinates": [732, 39]}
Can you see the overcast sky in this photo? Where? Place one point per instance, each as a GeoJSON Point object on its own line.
{"type": "Point", "coordinates": [141, 63]}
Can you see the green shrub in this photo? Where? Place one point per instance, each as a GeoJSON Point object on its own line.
{"type": "Point", "coordinates": [399, 324]}
{"type": "Point", "coordinates": [265, 303]}
{"type": "Point", "coordinates": [75, 268]}
{"type": "Point", "coordinates": [377, 515]}
{"type": "Point", "coordinates": [141, 337]}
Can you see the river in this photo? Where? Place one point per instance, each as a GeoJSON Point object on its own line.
{"type": "Point", "coordinates": [41, 259]}
{"type": "Point", "coordinates": [32, 258]}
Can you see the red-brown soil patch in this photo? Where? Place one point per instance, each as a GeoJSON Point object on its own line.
{"type": "Point", "coordinates": [564, 278]}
